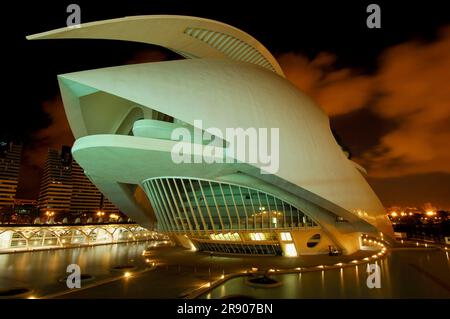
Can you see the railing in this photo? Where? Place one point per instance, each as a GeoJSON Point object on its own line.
{"type": "Point", "coordinates": [37, 237]}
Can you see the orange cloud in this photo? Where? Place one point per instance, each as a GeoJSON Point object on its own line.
{"type": "Point", "coordinates": [411, 88]}
{"type": "Point", "coordinates": [337, 91]}
{"type": "Point", "coordinates": [414, 80]}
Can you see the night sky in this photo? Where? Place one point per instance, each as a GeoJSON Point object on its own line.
{"type": "Point", "coordinates": [387, 91]}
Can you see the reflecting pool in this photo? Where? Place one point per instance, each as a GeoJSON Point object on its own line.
{"type": "Point", "coordinates": [404, 274]}
{"type": "Point", "coordinates": [42, 270]}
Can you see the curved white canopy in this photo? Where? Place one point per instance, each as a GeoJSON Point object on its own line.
{"type": "Point", "coordinates": [225, 82]}
{"type": "Point", "coordinates": [223, 94]}
{"type": "Point", "coordinates": [190, 37]}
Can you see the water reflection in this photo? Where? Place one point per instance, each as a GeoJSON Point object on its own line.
{"type": "Point", "coordinates": [341, 281]}
{"type": "Point", "coordinates": [404, 274]}
{"type": "Point", "coordinates": [41, 270]}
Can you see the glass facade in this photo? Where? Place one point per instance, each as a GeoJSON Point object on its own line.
{"type": "Point", "coordinates": [239, 248]}
{"type": "Point", "coordinates": [198, 206]}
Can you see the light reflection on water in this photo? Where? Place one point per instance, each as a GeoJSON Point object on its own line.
{"type": "Point", "coordinates": [404, 274]}
{"type": "Point", "coordinates": [41, 270]}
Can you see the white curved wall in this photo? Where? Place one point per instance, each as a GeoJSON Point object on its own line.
{"type": "Point", "coordinates": [228, 94]}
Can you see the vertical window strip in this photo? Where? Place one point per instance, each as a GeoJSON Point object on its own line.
{"type": "Point", "coordinates": [235, 207]}
{"type": "Point", "coordinates": [174, 198]}
{"type": "Point", "coordinates": [153, 203]}
{"type": "Point", "coordinates": [217, 206]}
{"type": "Point", "coordinates": [245, 208]}
{"type": "Point", "coordinates": [253, 206]}
{"type": "Point", "coordinates": [207, 206]}
{"type": "Point", "coordinates": [284, 214]}
{"type": "Point", "coordinates": [259, 210]}
{"type": "Point", "coordinates": [276, 211]}
{"type": "Point", "coordinates": [194, 195]}
{"type": "Point", "coordinates": [164, 207]}
{"type": "Point", "coordinates": [270, 211]}
{"type": "Point", "coordinates": [197, 226]}
{"type": "Point", "coordinates": [159, 214]}
{"type": "Point", "coordinates": [175, 214]}
{"type": "Point", "coordinates": [182, 205]}
{"type": "Point", "coordinates": [226, 206]}
{"type": "Point", "coordinates": [164, 217]}
{"type": "Point", "coordinates": [292, 221]}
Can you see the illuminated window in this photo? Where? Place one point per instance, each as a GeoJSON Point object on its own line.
{"type": "Point", "coordinates": [286, 236]}
{"type": "Point", "coordinates": [227, 237]}
{"type": "Point", "coordinates": [290, 251]}
{"type": "Point", "coordinates": [257, 236]}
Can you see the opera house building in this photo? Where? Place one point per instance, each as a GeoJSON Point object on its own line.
{"type": "Point", "coordinates": [123, 118]}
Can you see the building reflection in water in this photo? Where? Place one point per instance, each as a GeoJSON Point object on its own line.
{"type": "Point", "coordinates": [409, 274]}
{"type": "Point", "coordinates": [42, 269]}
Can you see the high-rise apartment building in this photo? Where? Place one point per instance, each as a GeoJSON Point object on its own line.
{"type": "Point", "coordinates": [56, 183]}
{"type": "Point", "coordinates": [65, 187]}
{"type": "Point", "coordinates": [85, 196]}
{"type": "Point", "coordinates": [10, 157]}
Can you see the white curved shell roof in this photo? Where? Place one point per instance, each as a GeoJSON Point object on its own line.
{"type": "Point", "coordinates": [190, 37]}
{"type": "Point", "coordinates": [222, 87]}
{"type": "Point", "coordinates": [228, 94]}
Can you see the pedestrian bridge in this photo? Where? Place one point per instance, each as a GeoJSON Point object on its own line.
{"type": "Point", "coordinates": [38, 237]}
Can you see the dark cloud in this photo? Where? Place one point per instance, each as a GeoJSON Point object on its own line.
{"type": "Point", "coordinates": [55, 135]}
{"type": "Point", "coordinates": [399, 115]}
{"type": "Point", "coordinates": [414, 79]}
{"type": "Point", "coordinates": [361, 130]}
